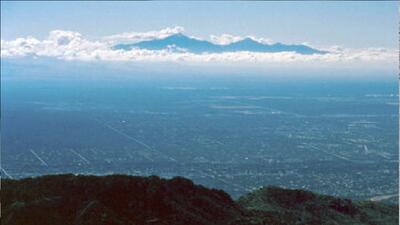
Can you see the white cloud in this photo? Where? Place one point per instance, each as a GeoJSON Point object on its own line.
{"type": "Point", "coordinates": [19, 47]}
{"type": "Point", "coordinates": [141, 36]}
{"type": "Point", "coordinates": [69, 45]}
{"type": "Point", "coordinates": [261, 40]}
{"type": "Point", "coordinates": [225, 39]}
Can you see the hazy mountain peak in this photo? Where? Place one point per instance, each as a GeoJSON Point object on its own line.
{"type": "Point", "coordinates": [194, 45]}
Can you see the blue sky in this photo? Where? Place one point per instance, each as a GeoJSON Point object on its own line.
{"type": "Point", "coordinates": [349, 24]}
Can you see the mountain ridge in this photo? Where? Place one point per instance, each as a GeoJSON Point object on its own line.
{"type": "Point", "coordinates": [129, 200]}
{"type": "Point", "coordinates": [181, 42]}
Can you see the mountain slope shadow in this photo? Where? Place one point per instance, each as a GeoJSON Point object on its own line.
{"type": "Point", "coordinates": [128, 200]}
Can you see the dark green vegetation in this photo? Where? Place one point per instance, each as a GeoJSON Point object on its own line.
{"type": "Point", "coordinates": [119, 199]}
{"type": "Point", "coordinates": [272, 205]}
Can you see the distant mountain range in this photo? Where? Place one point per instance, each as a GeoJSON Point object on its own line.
{"type": "Point", "coordinates": [128, 200]}
{"type": "Point", "coordinates": [180, 42]}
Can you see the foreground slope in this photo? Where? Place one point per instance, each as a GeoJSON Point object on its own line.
{"type": "Point", "coordinates": [281, 206]}
{"type": "Point", "coordinates": [128, 200]}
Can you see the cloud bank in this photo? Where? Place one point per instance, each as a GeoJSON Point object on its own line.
{"type": "Point", "coordinates": [130, 37]}
{"type": "Point", "coordinates": [69, 45]}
